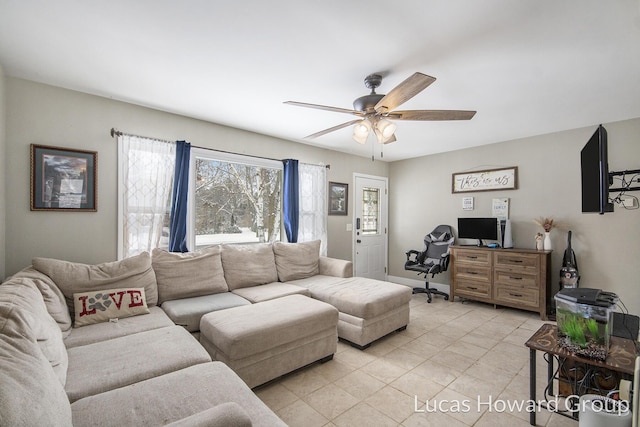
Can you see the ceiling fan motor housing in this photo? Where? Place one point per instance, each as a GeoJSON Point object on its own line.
{"type": "Point", "coordinates": [367, 102]}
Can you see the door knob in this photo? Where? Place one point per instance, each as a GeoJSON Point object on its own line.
{"type": "Point", "coordinates": [358, 241]}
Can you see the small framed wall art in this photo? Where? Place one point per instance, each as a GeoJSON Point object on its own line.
{"type": "Point", "coordinates": [338, 198]}
{"type": "Point", "coordinates": [63, 179]}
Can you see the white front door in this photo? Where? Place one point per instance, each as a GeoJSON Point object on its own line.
{"type": "Point", "coordinates": [370, 225]}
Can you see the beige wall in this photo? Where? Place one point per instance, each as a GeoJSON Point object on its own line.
{"type": "Point", "coordinates": [49, 115]}
{"type": "Point", "coordinates": [607, 246]}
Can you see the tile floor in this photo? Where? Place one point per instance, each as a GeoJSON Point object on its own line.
{"type": "Point", "coordinates": [455, 356]}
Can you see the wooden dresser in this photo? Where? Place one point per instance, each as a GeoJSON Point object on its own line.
{"type": "Point", "coordinates": [518, 278]}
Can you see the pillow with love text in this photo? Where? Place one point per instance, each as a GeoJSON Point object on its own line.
{"type": "Point", "coordinates": [103, 306]}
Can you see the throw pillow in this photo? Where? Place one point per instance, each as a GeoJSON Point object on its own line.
{"type": "Point", "coordinates": [190, 274]}
{"type": "Point", "coordinates": [53, 297]}
{"type": "Point", "coordinates": [71, 277]}
{"type": "Point", "coordinates": [102, 306]}
{"type": "Point", "coordinates": [297, 260]}
{"type": "Point", "coordinates": [248, 265]}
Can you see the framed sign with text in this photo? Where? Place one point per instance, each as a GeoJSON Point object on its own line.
{"type": "Point", "coordinates": [485, 180]}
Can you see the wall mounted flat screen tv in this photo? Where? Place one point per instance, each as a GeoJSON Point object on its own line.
{"type": "Point", "coordinates": [478, 228]}
{"type": "Point", "coordinates": [594, 170]}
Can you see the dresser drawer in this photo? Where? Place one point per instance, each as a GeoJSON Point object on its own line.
{"type": "Point", "coordinates": [472, 290]}
{"type": "Point", "coordinates": [515, 278]}
{"type": "Point", "coordinates": [475, 273]}
{"type": "Point", "coordinates": [525, 262]}
{"type": "Point", "coordinates": [518, 296]}
{"type": "Point", "coordinates": [470, 256]}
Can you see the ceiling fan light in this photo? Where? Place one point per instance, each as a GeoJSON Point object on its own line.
{"type": "Point", "coordinates": [386, 128]}
{"type": "Point", "coordinates": [360, 139]}
{"type": "Point", "coordinates": [361, 131]}
{"type": "Point", "coordinates": [381, 138]}
{"type": "Point", "coordinates": [392, 138]}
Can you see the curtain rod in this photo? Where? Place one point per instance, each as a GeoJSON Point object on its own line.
{"type": "Point", "coordinates": [114, 133]}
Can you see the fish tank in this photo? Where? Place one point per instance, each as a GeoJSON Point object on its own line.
{"type": "Point", "coordinates": [585, 321]}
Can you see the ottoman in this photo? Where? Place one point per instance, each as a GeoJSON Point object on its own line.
{"type": "Point", "coordinates": [369, 309]}
{"type": "Point", "coordinates": [266, 340]}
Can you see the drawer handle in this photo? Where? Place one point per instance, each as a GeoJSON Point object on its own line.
{"type": "Point", "coordinates": [472, 257]}
{"type": "Point", "coordinates": [515, 278]}
{"type": "Point", "coordinates": [516, 261]}
{"type": "Point", "coordinates": [515, 295]}
{"type": "Point", "coordinates": [473, 288]}
{"type": "Point", "coordinates": [472, 272]}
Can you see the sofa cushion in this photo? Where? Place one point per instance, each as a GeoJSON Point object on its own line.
{"type": "Point", "coordinates": [187, 312]}
{"type": "Point", "coordinates": [53, 297]}
{"type": "Point", "coordinates": [71, 277]}
{"type": "Point", "coordinates": [296, 260]}
{"type": "Point", "coordinates": [102, 306]}
{"type": "Point", "coordinates": [270, 291]}
{"type": "Point", "coordinates": [190, 274]}
{"type": "Point", "coordinates": [30, 391]}
{"type": "Point", "coordinates": [106, 365]}
{"type": "Point", "coordinates": [156, 401]}
{"type": "Point", "coordinates": [23, 295]}
{"type": "Point", "coordinates": [248, 265]}
{"type": "Point", "coordinates": [228, 414]}
{"type": "Point", "coordinates": [97, 332]}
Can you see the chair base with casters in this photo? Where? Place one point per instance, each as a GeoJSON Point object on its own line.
{"type": "Point", "coordinates": [433, 259]}
{"type": "Point", "coordinates": [430, 292]}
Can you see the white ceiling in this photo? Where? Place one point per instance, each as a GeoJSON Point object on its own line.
{"type": "Point", "coordinates": [529, 67]}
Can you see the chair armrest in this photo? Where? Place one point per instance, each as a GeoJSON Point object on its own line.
{"type": "Point", "coordinates": [445, 261]}
{"type": "Point", "coordinates": [411, 252]}
{"type": "Point", "coordinates": [335, 267]}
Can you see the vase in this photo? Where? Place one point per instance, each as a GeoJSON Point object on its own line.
{"type": "Point", "coordinates": [547, 241]}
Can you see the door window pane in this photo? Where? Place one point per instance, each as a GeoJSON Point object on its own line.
{"type": "Point", "coordinates": [370, 211]}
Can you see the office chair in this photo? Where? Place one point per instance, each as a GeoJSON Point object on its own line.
{"type": "Point", "coordinates": [433, 259]}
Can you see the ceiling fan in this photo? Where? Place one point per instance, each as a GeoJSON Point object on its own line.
{"type": "Point", "coordinates": [375, 111]}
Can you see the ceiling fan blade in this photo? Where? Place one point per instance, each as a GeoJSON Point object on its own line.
{"type": "Point", "coordinates": [433, 115]}
{"type": "Point", "coordinates": [404, 92]}
{"type": "Point", "coordinates": [326, 131]}
{"type": "Point", "coordinates": [325, 107]}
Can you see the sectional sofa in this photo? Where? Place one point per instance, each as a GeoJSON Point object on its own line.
{"type": "Point", "coordinates": [117, 343]}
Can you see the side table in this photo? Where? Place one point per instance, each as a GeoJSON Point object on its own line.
{"type": "Point", "coordinates": [619, 364]}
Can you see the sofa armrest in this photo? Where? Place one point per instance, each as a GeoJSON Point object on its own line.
{"type": "Point", "coordinates": [228, 414]}
{"type": "Point", "coordinates": [335, 267]}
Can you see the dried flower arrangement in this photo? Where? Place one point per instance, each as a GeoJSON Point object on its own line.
{"type": "Point", "coordinates": [547, 224]}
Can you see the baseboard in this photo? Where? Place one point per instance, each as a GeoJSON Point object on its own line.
{"type": "Point", "coordinates": [413, 283]}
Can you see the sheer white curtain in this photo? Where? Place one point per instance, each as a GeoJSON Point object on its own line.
{"type": "Point", "coordinates": [145, 178]}
{"type": "Point", "coordinates": [312, 186]}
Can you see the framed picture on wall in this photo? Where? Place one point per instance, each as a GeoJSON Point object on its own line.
{"type": "Point", "coordinates": [338, 198]}
{"type": "Point", "coordinates": [485, 180]}
{"type": "Point", "coordinates": [63, 179]}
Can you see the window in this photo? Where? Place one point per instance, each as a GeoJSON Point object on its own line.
{"type": "Point", "coordinates": [233, 199]}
